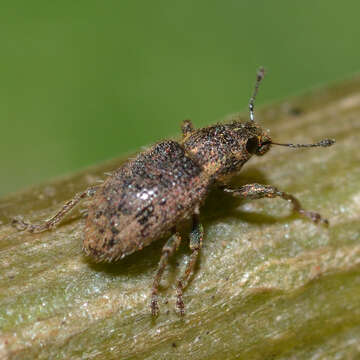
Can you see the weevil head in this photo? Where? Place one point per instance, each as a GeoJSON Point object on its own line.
{"type": "Point", "coordinates": [223, 149]}
{"type": "Point", "coordinates": [256, 140]}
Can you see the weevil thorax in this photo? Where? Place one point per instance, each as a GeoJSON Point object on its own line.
{"type": "Point", "coordinates": [222, 149]}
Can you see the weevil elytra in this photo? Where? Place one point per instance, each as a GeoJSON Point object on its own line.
{"type": "Point", "coordinates": [146, 198]}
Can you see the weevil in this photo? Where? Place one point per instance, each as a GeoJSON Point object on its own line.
{"type": "Point", "coordinates": [146, 198]}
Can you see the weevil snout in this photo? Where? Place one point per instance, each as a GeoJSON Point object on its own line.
{"type": "Point", "coordinates": [264, 145]}
{"type": "Point", "coordinates": [258, 145]}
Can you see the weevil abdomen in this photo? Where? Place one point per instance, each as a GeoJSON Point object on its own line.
{"type": "Point", "coordinates": [142, 201]}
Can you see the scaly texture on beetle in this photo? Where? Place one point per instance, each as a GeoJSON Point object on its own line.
{"type": "Point", "coordinates": [150, 195]}
{"type": "Point", "coordinates": [142, 201]}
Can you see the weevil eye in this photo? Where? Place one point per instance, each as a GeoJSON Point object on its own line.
{"type": "Point", "coordinates": [252, 145]}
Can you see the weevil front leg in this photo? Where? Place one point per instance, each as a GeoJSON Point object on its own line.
{"type": "Point", "coordinates": [187, 127]}
{"type": "Point", "coordinates": [168, 249]}
{"type": "Point", "coordinates": [52, 222]}
{"type": "Point", "coordinates": [196, 238]}
{"type": "Point", "coordinates": [258, 191]}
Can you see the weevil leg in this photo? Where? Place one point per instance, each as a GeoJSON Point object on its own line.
{"type": "Point", "coordinates": [187, 127]}
{"type": "Point", "coordinates": [196, 238]}
{"type": "Point", "coordinates": [258, 191]}
{"type": "Point", "coordinates": [52, 222]}
{"type": "Point", "coordinates": [168, 249]}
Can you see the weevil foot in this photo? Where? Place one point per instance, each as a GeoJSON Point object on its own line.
{"type": "Point", "coordinates": [315, 217]}
{"type": "Point", "coordinates": [18, 223]}
{"type": "Point", "coordinates": [259, 191]}
{"type": "Point", "coordinates": [179, 302]}
{"type": "Point", "coordinates": [168, 249]}
{"type": "Point", "coordinates": [154, 306]}
{"type": "Point", "coordinates": [52, 222]}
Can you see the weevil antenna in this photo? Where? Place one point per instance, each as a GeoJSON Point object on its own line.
{"type": "Point", "coordinates": [322, 143]}
{"type": "Point", "coordinates": [259, 76]}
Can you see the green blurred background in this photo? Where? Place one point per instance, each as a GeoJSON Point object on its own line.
{"type": "Point", "coordinates": [84, 81]}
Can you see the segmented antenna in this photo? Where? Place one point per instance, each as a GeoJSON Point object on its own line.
{"type": "Point", "coordinates": [259, 76]}
{"type": "Point", "coordinates": [322, 143]}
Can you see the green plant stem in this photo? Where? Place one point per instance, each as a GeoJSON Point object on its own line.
{"type": "Point", "coordinates": [269, 284]}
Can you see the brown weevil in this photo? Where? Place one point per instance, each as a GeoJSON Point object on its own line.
{"type": "Point", "coordinates": [148, 196]}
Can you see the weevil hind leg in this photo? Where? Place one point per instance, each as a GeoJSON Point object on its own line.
{"type": "Point", "coordinates": [187, 127]}
{"type": "Point", "coordinates": [196, 238]}
{"type": "Point", "coordinates": [258, 191]}
{"type": "Point", "coordinates": [53, 221]}
{"type": "Point", "coordinates": [168, 249]}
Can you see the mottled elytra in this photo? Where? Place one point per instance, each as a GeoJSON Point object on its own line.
{"type": "Point", "coordinates": [150, 195]}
